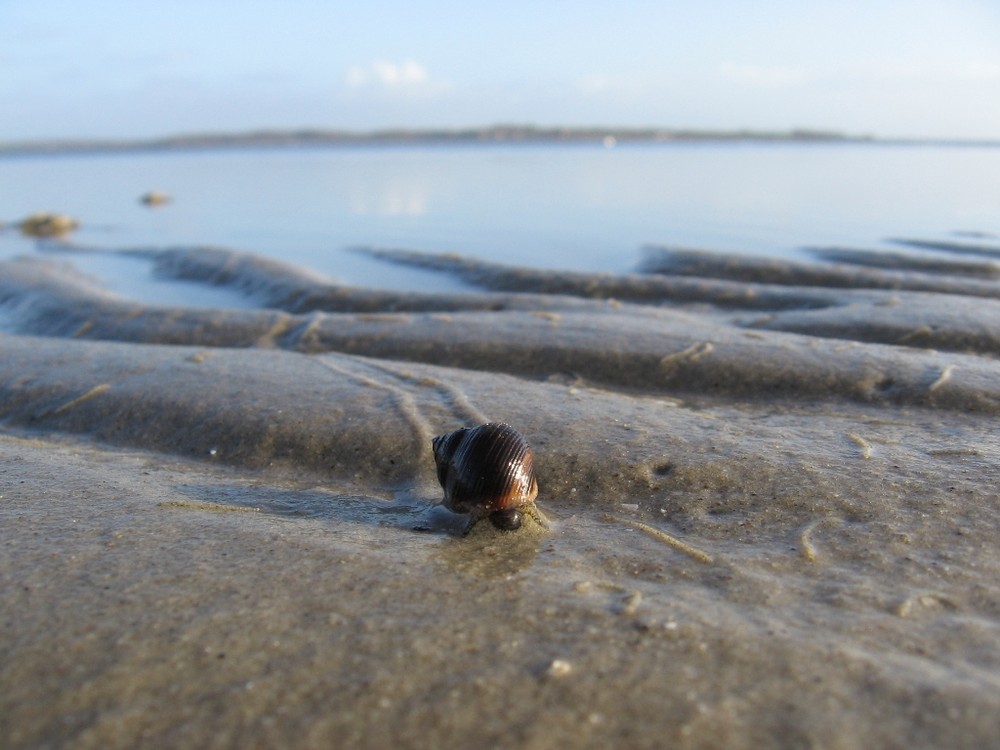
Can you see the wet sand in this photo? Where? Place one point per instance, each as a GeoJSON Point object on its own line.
{"type": "Point", "coordinates": [771, 490]}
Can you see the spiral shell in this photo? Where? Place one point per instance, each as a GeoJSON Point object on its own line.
{"type": "Point", "coordinates": [486, 471]}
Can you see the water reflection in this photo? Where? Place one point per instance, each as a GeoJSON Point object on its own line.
{"type": "Point", "coordinates": [395, 197]}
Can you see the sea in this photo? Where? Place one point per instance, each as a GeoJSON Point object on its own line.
{"type": "Point", "coordinates": [581, 207]}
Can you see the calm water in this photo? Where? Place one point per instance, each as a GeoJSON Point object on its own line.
{"type": "Point", "coordinates": [575, 207]}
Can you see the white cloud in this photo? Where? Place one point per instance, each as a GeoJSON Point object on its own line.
{"type": "Point", "coordinates": [388, 75]}
{"type": "Point", "coordinates": [925, 74]}
{"type": "Point", "coordinates": [601, 85]}
{"type": "Point", "coordinates": [763, 76]}
{"type": "Point", "coordinates": [982, 71]}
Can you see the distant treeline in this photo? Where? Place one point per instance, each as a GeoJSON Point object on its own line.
{"type": "Point", "coordinates": [496, 134]}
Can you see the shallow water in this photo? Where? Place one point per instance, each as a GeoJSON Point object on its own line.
{"type": "Point", "coordinates": [578, 208]}
{"type": "Point", "coordinates": [770, 486]}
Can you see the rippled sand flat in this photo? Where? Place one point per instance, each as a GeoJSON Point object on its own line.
{"type": "Point", "coordinates": [771, 489]}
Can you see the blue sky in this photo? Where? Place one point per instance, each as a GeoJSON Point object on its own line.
{"type": "Point", "coordinates": [123, 68]}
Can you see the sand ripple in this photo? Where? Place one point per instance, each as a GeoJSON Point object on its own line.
{"type": "Point", "coordinates": [772, 487]}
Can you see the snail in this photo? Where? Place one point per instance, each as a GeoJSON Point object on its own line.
{"type": "Point", "coordinates": [486, 471]}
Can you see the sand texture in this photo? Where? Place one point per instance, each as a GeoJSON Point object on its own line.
{"type": "Point", "coordinates": [770, 490]}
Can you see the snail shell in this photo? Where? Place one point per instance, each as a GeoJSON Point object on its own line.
{"type": "Point", "coordinates": [487, 470]}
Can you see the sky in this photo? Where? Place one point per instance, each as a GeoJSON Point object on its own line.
{"type": "Point", "coordinates": [130, 69]}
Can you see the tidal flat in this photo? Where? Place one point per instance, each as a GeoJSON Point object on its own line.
{"type": "Point", "coordinates": [770, 488]}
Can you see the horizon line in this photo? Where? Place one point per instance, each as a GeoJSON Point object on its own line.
{"type": "Point", "coordinates": [497, 133]}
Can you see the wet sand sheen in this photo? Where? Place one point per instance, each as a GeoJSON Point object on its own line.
{"type": "Point", "coordinates": [773, 509]}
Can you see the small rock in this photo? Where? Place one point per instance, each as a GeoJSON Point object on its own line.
{"type": "Point", "coordinates": [559, 668]}
{"type": "Point", "coordinates": [48, 225]}
{"type": "Point", "coordinates": [154, 198]}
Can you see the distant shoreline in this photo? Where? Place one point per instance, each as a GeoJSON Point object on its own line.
{"type": "Point", "coordinates": [500, 134]}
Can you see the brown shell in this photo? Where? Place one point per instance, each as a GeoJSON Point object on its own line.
{"type": "Point", "coordinates": [485, 469]}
